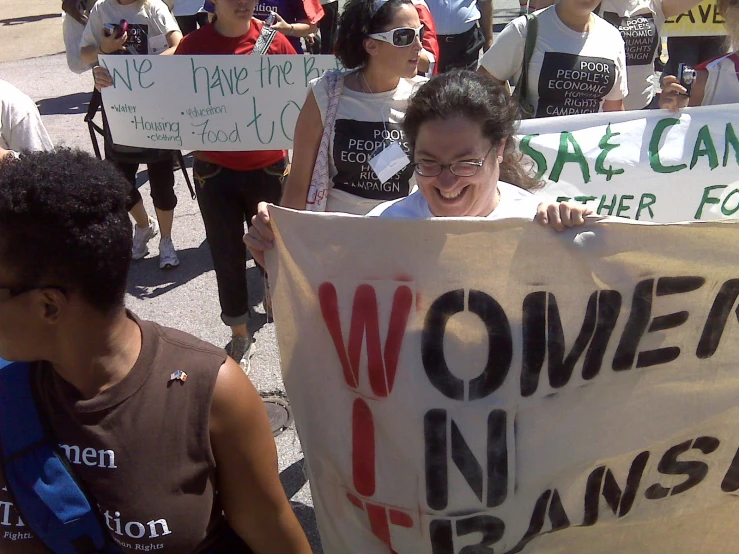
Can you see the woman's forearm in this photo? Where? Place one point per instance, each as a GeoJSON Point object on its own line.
{"type": "Point", "coordinates": [89, 54]}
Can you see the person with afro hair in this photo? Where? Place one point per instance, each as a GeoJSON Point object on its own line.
{"type": "Point", "coordinates": [184, 438]}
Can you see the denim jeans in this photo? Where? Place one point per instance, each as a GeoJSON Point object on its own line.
{"type": "Point", "coordinates": [227, 198]}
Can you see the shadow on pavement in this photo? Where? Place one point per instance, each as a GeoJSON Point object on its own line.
{"type": "Point", "coordinates": [146, 280]}
{"type": "Point", "coordinates": [293, 479]}
{"type": "Point", "coordinates": [70, 104]}
{"type": "Point", "coordinates": [29, 19]}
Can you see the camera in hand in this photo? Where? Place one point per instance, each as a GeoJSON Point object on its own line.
{"type": "Point", "coordinates": [116, 30]}
{"type": "Point", "coordinates": [686, 76]}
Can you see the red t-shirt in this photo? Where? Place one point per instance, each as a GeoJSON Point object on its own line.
{"type": "Point", "coordinates": [207, 40]}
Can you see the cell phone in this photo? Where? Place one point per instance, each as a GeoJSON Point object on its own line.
{"type": "Point", "coordinates": [116, 30]}
{"type": "Point", "coordinates": [686, 76]}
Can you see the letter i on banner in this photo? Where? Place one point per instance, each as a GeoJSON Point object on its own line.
{"type": "Point", "coordinates": [381, 368]}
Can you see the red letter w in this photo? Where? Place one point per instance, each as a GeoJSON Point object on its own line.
{"type": "Point", "coordinates": [365, 322]}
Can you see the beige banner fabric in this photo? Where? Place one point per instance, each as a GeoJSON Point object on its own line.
{"type": "Point", "coordinates": [473, 386]}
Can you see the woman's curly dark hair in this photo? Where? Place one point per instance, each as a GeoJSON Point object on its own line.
{"type": "Point", "coordinates": [463, 93]}
{"type": "Point", "coordinates": [63, 222]}
{"type": "Point", "coordinates": [358, 20]}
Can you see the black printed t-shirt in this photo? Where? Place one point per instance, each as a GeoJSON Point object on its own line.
{"type": "Point", "coordinates": [569, 72]}
{"type": "Point", "coordinates": [364, 124]}
{"type": "Point", "coordinates": [640, 24]}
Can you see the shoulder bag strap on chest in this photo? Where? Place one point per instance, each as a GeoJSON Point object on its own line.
{"type": "Point", "coordinates": [46, 494]}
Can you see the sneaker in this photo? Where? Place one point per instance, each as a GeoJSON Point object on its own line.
{"type": "Point", "coordinates": [241, 349]}
{"type": "Point", "coordinates": [167, 254]}
{"type": "Point", "coordinates": [141, 236]}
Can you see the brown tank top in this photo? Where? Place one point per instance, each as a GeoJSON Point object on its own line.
{"type": "Point", "coordinates": [141, 448]}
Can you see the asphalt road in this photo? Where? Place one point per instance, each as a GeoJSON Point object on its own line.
{"type": "Point", "coordinates": [185, 297]}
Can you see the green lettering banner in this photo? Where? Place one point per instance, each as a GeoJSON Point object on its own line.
{"type": "Point", "coordinates": [643, 165]}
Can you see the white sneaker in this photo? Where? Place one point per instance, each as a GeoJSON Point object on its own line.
{"type": "Point", "coordinates": [141, 236]}
{"type": "Point", "coordinates": [167, 254]}
{"type": "Point", "coordinates": [241, 349]}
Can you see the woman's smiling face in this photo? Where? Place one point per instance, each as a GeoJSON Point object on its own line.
{"type": "Point", "coordinates": [458, 140]}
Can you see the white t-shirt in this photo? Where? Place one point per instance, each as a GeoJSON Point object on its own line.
{"type": "Point", "coordinates": [514, 202]}
{"type": "Point", "coordinates": [148, 24]}
{"type": "Point", "coordinates": [722, 86]}
{"type": "Point", "coordinates": [364, 123]}
{"type": "Point", "coordinates": [640, 24]}
{"type": "Point", "coordinates": [20, 123]}
{"type": "Point", "coordinates": [569, 72]}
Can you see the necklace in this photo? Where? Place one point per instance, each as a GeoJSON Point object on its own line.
{"type": "Point", "coordinates": [364, 78]}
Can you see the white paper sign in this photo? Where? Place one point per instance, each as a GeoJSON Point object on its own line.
{"type": "Point", "coordinates": [648, 165]}
{"type": "Point", "coordinates": [495, 387]}
{"type": "Point", "coordinates": [225, 103]}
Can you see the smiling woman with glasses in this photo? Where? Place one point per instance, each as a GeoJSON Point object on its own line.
{"type": "Point", "coordinates": [460, 127]}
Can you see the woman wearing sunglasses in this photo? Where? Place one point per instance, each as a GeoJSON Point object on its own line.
{"type": "Point", "coordinates": [379, 41]}
{"type": "Point", "coordinates": [714, 82]}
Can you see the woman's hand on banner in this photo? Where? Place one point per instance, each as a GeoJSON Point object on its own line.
{"type": "Point", "coordinates": [260, 236]}
{"type": "Point", "coordinates": [561, 215]}
{"type": "Point", "coordinates": [102, 77]}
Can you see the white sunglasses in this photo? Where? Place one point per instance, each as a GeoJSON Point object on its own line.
{"type": "Point", "coordinates": [401, 37]}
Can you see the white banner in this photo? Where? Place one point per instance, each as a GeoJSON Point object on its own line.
{"type": "Point", "coordinates": [647, 165]}
{"type": "Point", "coordinates": [470, 387]}
{"type": "Point", "coordinates": [208, 102]}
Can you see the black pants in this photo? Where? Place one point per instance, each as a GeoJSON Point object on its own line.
{"type": "Point", "coordinates": [692, 51]}
{"type": "Point", "coordinates": [190, 23]}
{"type": "Point", "coordinates": [227, 198]}
{"type": "Point", "coordinates": [328, 26]}
{"type": "Point", "coordinates": [161, 183]}
{"type": "Point", "coordinates": [460, 51]}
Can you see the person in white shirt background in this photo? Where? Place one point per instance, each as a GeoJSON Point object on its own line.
{"type": "Point", "coordinates": [578, 64]}
{"type": "Point", "coordinates": [152, 29]}
{"type": "Point", "coordinates": [21, 128]}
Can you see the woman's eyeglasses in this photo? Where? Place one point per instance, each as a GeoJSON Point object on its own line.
{"type": "Point", "coordinates": [401, 37]}
{"type": "Point", "coordinates": [460, 169]}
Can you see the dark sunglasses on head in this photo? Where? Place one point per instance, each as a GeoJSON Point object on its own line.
{"type": "Point", "coordinates": [400, 37]}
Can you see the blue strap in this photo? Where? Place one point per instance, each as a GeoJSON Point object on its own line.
{"type": "Point", "coordinates": [48, 498]}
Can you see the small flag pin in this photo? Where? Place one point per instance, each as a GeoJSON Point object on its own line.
{"type": "Point", "coordinates": [178, 375]}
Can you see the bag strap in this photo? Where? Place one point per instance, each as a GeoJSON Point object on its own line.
{"type": "Point", "coordinates": [532, 25]}
{"type": "Point", "coordinates": [45, 492]}
{"type": "Point", "coordinates": [316, 200]}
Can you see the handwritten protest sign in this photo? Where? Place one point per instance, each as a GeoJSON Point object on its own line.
{"type": "Point", "coordinates": [492, 386]}
{"type": "Point", "coordinates": [701, 21]}
{"type": "Point", "coordinates": [208, 102]}
{"type": "Point", "coordinates": [644, 165]}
